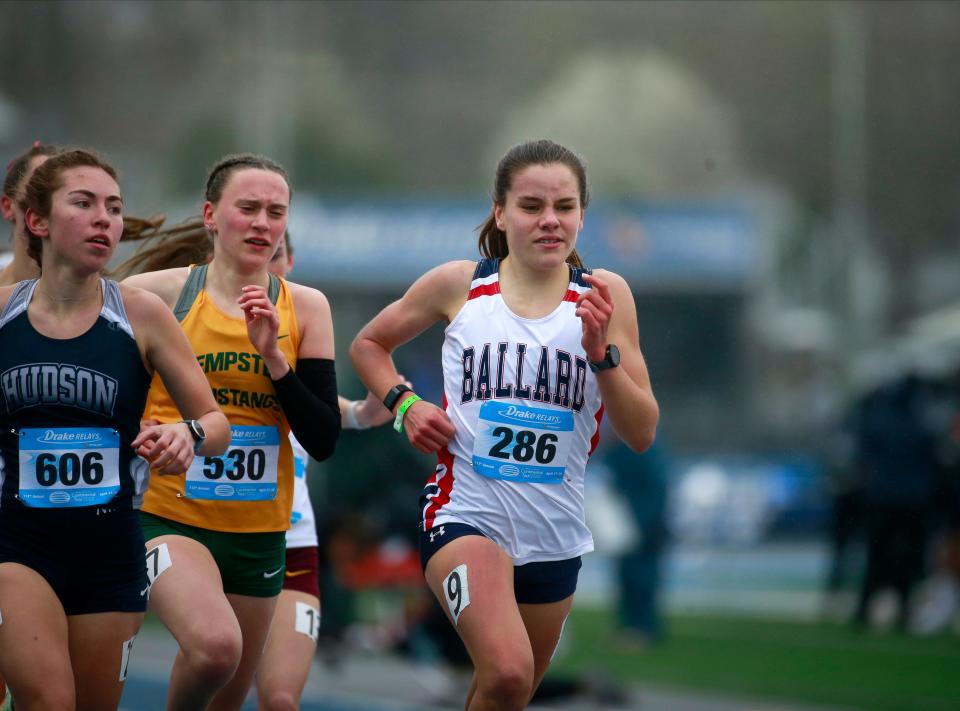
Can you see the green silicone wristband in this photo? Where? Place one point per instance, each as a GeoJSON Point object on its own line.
{"type": "Point", "coordinates": [402, 410]}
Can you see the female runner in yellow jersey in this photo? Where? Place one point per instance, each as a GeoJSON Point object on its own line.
{"type": "Point", "coordinates": [291, 645]}
{"type": "Point", "coordinates": [215, 537]}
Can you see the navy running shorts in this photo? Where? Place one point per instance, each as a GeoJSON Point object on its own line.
{"type": "Point", "coordinates": [533, 583]}
{"type": "Point", "coordinates": [92, 557]}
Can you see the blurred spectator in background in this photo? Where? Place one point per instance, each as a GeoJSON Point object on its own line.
{"type": "Point", "coordinates": [846, 523]}
{"type": "Point", "coordinates": [896, 453]}
{"type": "Point", "coordinates": [641, 480]}
{"type": "Point", "coordinates": [941, 600]}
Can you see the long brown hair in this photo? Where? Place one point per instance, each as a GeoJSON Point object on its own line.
{"type": "Point", "coordinates": [179, 245]}
{"type": "Point", "coordinates": [493, 240]}
{"type": "Point", "coordinates": [46, 180]}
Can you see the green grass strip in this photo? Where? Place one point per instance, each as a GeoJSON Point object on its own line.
{"type": "Point", "coordinates": [814, 663]}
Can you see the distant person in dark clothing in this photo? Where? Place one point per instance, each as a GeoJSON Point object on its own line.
{"type": "Point", "coordinates": [641, 479]}
{"type": "Point", "coordinates": [846, 521]}
{"type": "Point", "coordinates": [896, 453]}
{"type": "Point", "coordinates": [941, 599]}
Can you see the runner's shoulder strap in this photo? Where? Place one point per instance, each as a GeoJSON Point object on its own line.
{"type": "Point", "coordinates": [194, 284]}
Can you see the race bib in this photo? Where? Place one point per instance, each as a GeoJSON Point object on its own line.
{"type": "Point", "coordinates": [299, 471]}
{"type": "Point", "coordinates": [299, 466]}
{"type": "Point", "coordinates": [247, 472]}
{"type": "Point", "coordinates": [524, 444]}
{"type": "Point", "coordinates": [69, 466]}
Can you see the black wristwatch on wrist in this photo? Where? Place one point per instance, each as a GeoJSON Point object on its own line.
{"type": "Point", "coordinates": [393, 396]}
{"type": "Point", "coordinates": [610, 360]}
{"type": "Point", "coordinates": [196, 431]}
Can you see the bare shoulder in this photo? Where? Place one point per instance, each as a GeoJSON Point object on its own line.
{"type": "Point", "coordinates": [444, 288]}
{"type": "Point", "coordinates": [612, 279]}
{"type": "Point", "coordinates": [449, 281]}
{"type": "Point", "coordinates": [143, 305]}
{"type": "Point", "coordinates": [452, 276]}
{"type": "Point", "coordinates": [307, 300]}
{"type": "Point", "coordinates": [165, 283]}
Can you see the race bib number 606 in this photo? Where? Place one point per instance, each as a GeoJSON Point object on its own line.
{"type": "Point", "coordinates": [69, 466]}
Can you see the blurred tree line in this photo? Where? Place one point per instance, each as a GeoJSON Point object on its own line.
{"type": "Point", "coordinates": [419, 98]}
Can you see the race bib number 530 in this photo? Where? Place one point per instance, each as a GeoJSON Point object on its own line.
{"type": "Point", "coordinates": [246, 472]}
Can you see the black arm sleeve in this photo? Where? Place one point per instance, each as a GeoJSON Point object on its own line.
{"type": "Point", "coordinates": [309, 401]}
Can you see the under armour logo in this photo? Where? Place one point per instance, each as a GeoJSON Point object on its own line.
{"type": "Point", "coordinates": [438, 532]}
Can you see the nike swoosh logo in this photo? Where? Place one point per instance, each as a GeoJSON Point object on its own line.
{"type": "Point", "coordinates": [270, 575]}
{"type": "Point", "coordinates": [295, 573]}
{"type": "Point", "coordinates": [283, 336]}
{"type": "Point", "coordinates": [144, 591]}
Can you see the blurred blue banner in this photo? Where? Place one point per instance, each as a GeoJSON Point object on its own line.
{"type": "Point", "coordinates": [389, 244]}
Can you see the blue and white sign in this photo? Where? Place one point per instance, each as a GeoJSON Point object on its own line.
{"type": "Point", "coordinates": [246, 472]}
{"type": "Point", "coordinates": [389, 244]}
{"type": "Point", "coordinates": [69, 466]}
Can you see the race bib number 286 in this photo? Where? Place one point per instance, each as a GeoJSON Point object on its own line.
{"type": "Point", "coordinates": [523, 444]}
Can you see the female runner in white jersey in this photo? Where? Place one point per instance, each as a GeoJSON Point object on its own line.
{"type": "Point", "coordinates": [536, 349]}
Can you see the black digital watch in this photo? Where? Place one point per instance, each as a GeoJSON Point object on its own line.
{"type": "Point", "coordinates": [393, 396]}
{"type": "Point", "coordinates": [196, 431]}
{"type": "Point", "coordinates": [611, 359]}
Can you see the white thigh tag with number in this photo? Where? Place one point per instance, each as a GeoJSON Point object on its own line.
{"type": "Point", "coordinates": [69, 466]}
{"type": "Point", "coordinates": [158, 560]}
{"type": "Point", "coordinates": [247, 472]}
{"type": "Point", "coordinates": [456, 592]}
{"type": "Point", "coordinates": [307, 620]}
{"type": "Point", "coordinates": [528, 445]}
{"type": "Point", "coordinates": [125, 650]}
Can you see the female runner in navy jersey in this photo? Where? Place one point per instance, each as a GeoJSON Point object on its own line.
{"type": "Point", "coordinates": [76, 356]}
{"type": "Point", "coordinates": [536, 349]}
